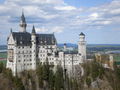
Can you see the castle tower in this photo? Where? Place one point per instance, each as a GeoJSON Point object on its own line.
{"type": "Point", "coordinates": [65, 47]}
{"type": "Point", "coordinates": [23, 24]}
{"type": "Point", "coordinates": [82, 46]}
{"type": "Point", "coordinates": [33, 40]}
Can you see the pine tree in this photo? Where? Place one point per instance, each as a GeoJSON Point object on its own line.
{"type": "Point", "coordinates": [51, 80]}
{"type": "Point", "coordinates": [39, 72]}
{"type": "Point", "coordinates": [1, 67]}
{"type": "Point", "coordinates": [59, 80]}
{"type": "Point", "coordinates": [46, 71]}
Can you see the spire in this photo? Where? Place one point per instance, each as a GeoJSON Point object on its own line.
{"type": "Point", "coordinates": [23, 24]}
{"type": "Point", "coordinates": [82, 34]}
{"type": "Point", "coordinates": [23, 18]}
{"type": "Point", "coordinates": [11, 30]}
{"type": "Point", "coordinates": [33, 30]}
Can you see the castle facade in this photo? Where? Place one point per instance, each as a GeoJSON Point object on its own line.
{"type": "Point", "coordinates": [27, 50]}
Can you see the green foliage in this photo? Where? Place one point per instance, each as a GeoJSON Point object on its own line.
{"type": "Point", "coordinates": [39, 72]}
{"type": "Point", "coordinates": [87, 68]}
{"type": "Point", "coordinates": [46, 71]}
{"type": "Point", "coordinates": [88, 81]}
{"type": "Point", "coordinates": [8, 73]}
{"type": "Point", "coordinates": [96, 70]}
{"type": "Point", "coordinates": [75, 85]}
{"type": "Point", "coordinates": [117, 71]}
{"type": "Point", "coordinates": [51, 80]}
{"type": "Point", "coordinates": [18, 84]}
{"type": "Point", "coordinates": [59, 80]}
{"type": "Point", "coordinates": [1, 67]}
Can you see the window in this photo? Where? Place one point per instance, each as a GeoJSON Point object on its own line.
{"type": "Point", "coordinates": [10, 54]}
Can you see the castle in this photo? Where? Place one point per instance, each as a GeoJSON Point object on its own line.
{"type": "Point", "coordinates": [27, 50]}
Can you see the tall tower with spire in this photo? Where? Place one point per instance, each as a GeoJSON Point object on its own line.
{"type": "Point", "coordinates": [82, 46]}
{"type": "Point", "coordinates": [23, 24]}
{"type": "Point", "coordinates": [33, 40]}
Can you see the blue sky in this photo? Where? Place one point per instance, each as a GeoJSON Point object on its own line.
{"type": "Point", "coordinates": [98, 19]}
{"type": "Point", "coordinates": [1, 1]}
{"type": "Point", "coordinates": [86, 3]}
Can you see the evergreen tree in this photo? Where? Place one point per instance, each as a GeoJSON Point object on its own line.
{"type": "Point", "coordinates": [59, 80]}
{"type": "Point", "coordinates": [39, 72]}
{"type": "Point", "coordinates": [46, 71]}
{"type": "Point", "coordinates": [51, 80]}
{"type": "Point", "coordinates": [18, 84]}
{"type": "Point", "coordinates": [1, 67]}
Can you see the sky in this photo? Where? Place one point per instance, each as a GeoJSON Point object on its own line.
{"type": "Point", "coordinates": [98, 19]}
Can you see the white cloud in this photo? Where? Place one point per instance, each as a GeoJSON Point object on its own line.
{"type": "Point", "coordinates": [115, 11]}
{"type": "Point", "coordinates": [35, 2]}
{"type": "Point", "coordinates": [41, 30]}
{"type": "Point", "coordinates": [57, 16]}
{"type": "Point", "coordinates": [65, 8]}
{"type": "Point", "coordinates": [57, 29]}
{"type": "Point", "coordinates": [94, 15]}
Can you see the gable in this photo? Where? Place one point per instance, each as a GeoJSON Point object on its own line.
{"type": "Point", "coordinates": [10, 39]}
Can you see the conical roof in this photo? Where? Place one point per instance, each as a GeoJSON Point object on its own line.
{"type": "Point", "coordinates": [33, 30]}
{"type": "Point", "coordinates": [23, 18]}
{"type": "Point", "coordinates": [82, 34]}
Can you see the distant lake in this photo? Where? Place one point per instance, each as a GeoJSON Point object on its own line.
{"type": "Point", "coordinates": [3, 48]}
{"type": "Point", "coordinates": [110, 48]}
{"type": "Point", "coordinates": [115, 51]}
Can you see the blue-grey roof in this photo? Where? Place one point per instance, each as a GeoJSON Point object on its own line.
{"type": "Point", "coordinates": [82, 34]}
{"type": "Point", "coordinates": [46, 39]}
{"type": "Point", "coordinates": [24, 38]}
{"type": "Point", "coordinates": [33, 30]}
{"type": "Point", "coordinates": [23, 18]}
{"type": "Point", "coordinates": [71, 52]}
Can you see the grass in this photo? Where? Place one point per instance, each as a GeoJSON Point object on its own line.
{"type": "Point", "coordinates": [4, 62]}
{"type": "Point", "coordinates": [117, 58]}
{"type": "Point", "coordinates": [3, 55]}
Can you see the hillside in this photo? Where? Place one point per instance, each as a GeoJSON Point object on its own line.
{"type": "Point", "coordinates": [95, 78]}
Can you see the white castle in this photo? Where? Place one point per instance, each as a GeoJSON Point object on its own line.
{"type": "Point", "coordinates": [27, 50]}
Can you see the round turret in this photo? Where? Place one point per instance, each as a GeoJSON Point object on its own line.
{"type": "Point", "coordinates": [23, 24]}
{"type": "Point", "coordinates": [82, 36]}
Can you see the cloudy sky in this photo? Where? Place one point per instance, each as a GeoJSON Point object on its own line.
{"type": "Point", "coordinates": [98, 19]}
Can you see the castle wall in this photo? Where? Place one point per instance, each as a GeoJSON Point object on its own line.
{"type": "Point", "coordinates": [27, 50]}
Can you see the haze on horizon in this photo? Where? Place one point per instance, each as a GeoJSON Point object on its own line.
{"type": "Point", "coordinates": [99, 20]}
